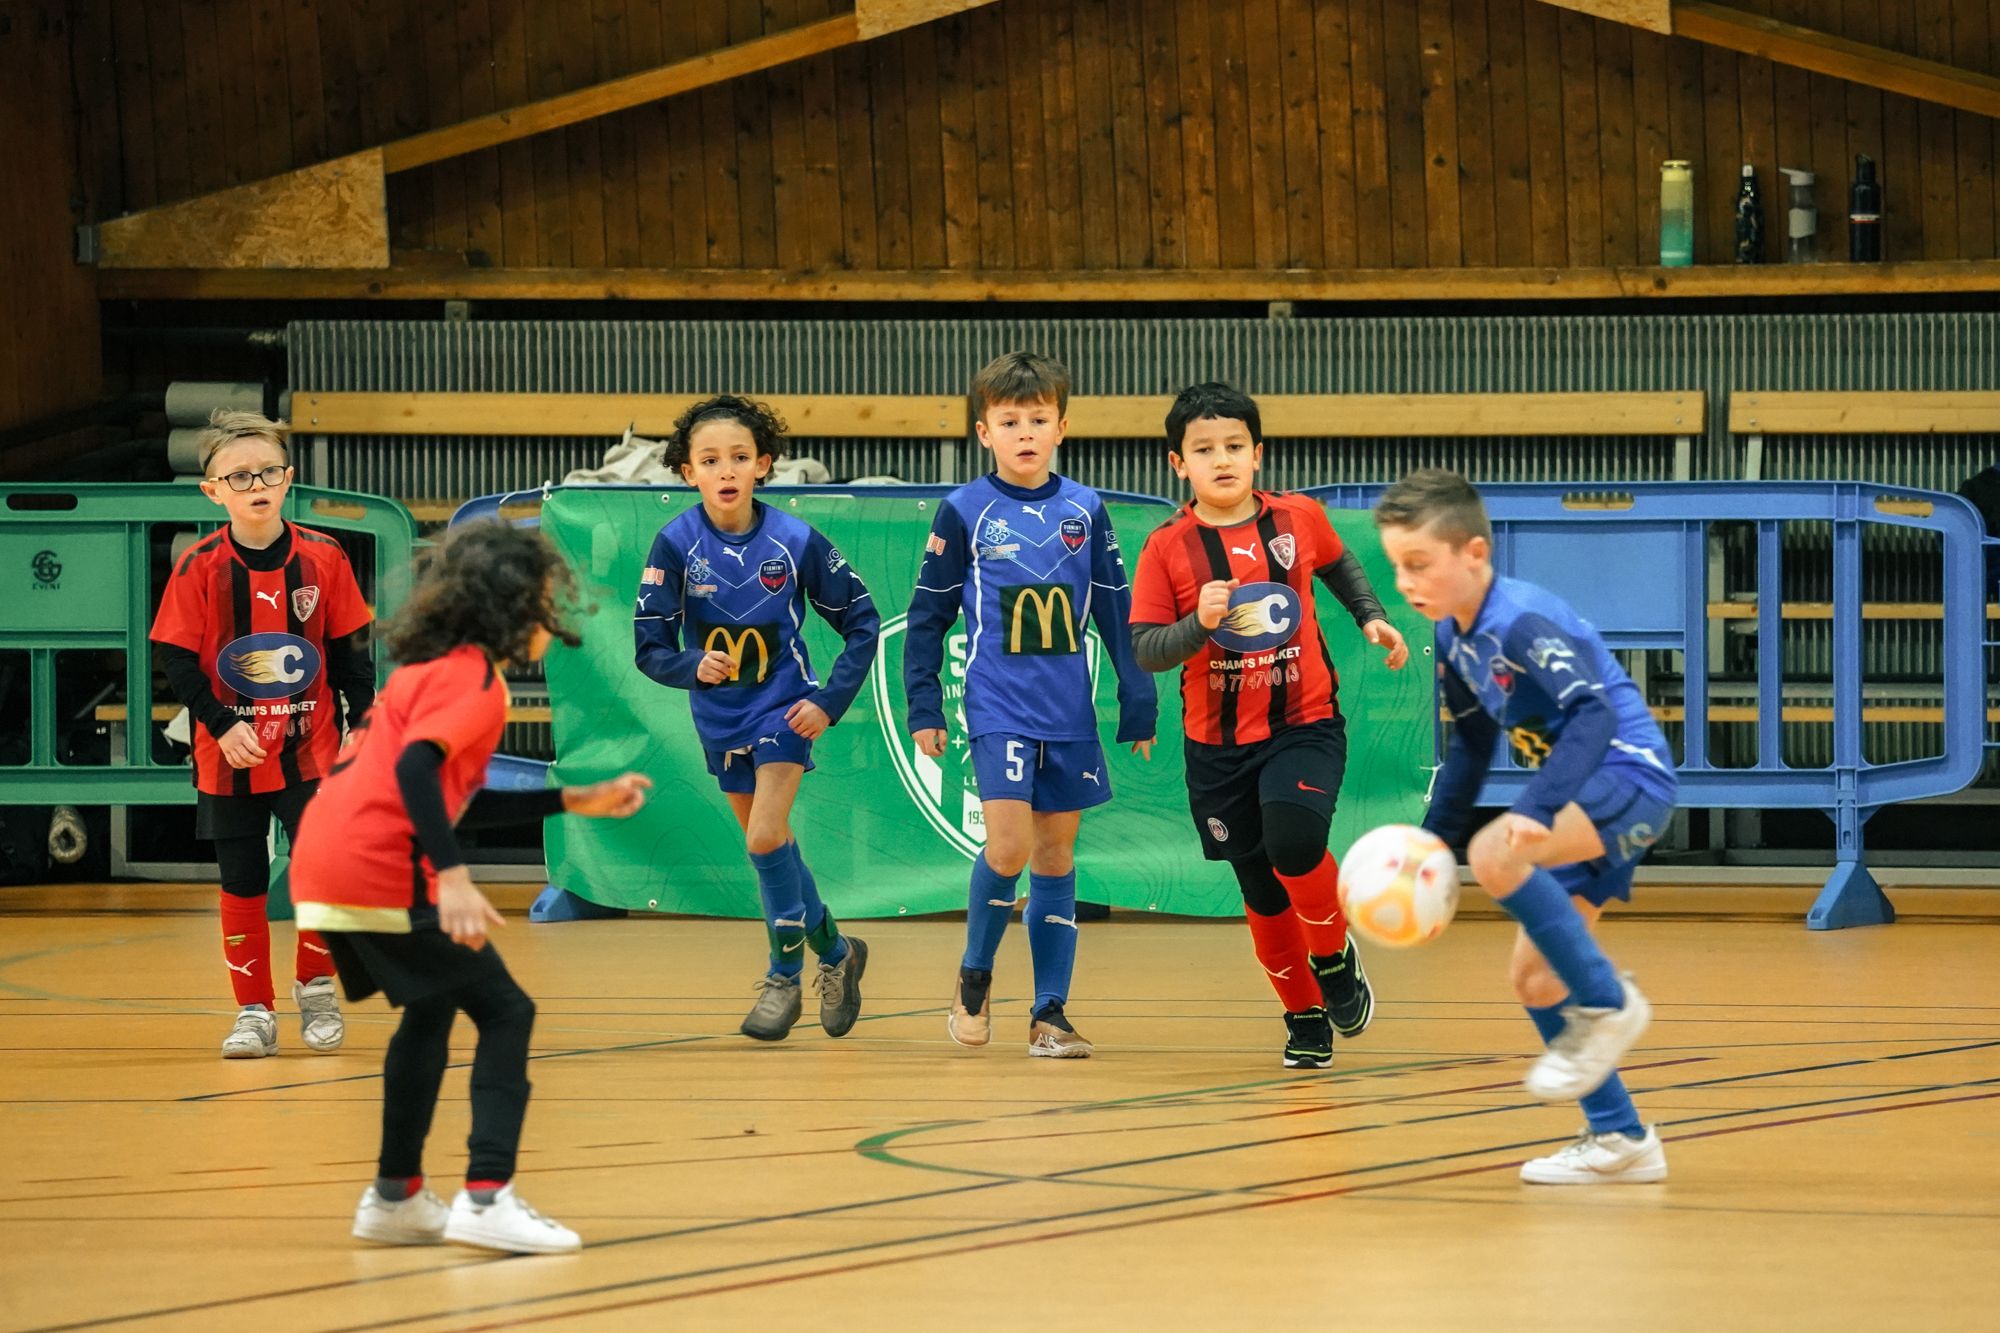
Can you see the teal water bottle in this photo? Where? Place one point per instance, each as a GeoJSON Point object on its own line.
{"type": "Point", "coordinates": [1676, 214]}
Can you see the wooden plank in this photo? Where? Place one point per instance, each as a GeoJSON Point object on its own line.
{"type": "Point", "coordinates": [1939, 128]}
{"type": "Point", "coordinates": [1548, 198]}
{"type": "Point", "coordinates": [926, 148]}
{"type": "Point", "coordinates": [1373, 211]}
{"type": "Point", "coordinates": [1371, 416]}
{"type": "Point", "coordinates": [1305, 233]}
{"type": "Point", "coordinates": [1926, 79]}
{"type": "Point", "coordinates": [553, 237]}
{"type": "Point", "coordinates": [520, 242]}
{"type": "Point", "coordinates": [1334, 61]}
{"type": "Point", "coordinates": [1022, 57]}
{"type": "Point", "coordinates": [1199, 179]}
{"type": "Point", "coordinates": [1971, 50]}
{"type": "Point", "coordinates": [430, 283]}
{"type": "Point", "coordinates": [860, 245]}
{"type": "Point", "coordinates": [1444, 242]}
{"type": "Point", "coordinates": [960, 142]}
{"type": "Point", "coordinates": [716, 103]}
{"type": "Point", "coordinates": [1687, 130]}
{"type": "Point", "coordinates": [1062, 183]}
{"type": "Point", "coordinates": [652, 140]}
{"type": "Point", "coordinates": [304, 80]}
{"type": "Point", "coordinates": [133, 82]}
{"type": "Point", "coordinates": [1096, 131]}
{"type": "Point", "coordinates": [93, 58]}
{"type": "Point", "coordinates": [333, 211]}
{"type": "Point", "coordinates": [823, 188]}
{"type": "Point", "coordinates": [583, 146]}
{"type": "Point", "coordinates": [1832, 160]}
{"type": "Point", "coordinates": [1235, 232]}
{"type": "Point", "coordinates": [1513, 198]}
{"type": "Point", "coordinates": [211, 129]}
{"type": "Point", "coordinates": [1582, 174]}
{"type": "Point", "coordinates": [617, 140]}
{"type": "Point", "coordinates": [1167, 191]}
{"type": "Point", "coordinates": [1791, 99]}
{"type": "Point", "coordinates": [1404, 87]}
{"type": "Point", "coordinates": [172, 170]}
{"type": "Point", "coordinates": [874, 18]}
{"type": "Point", "coordinates": [1128, 133]}
{"type": "Point", "coordinates": [891, 148]}
{"type": "Point", "coordinates": [569, 108]}
{"type": "Point", "coordinates": [1901, 166]}
{"type": "Point", "coordinates": [792, 217]}
{"type": "Point", "coordinates": [1652, 137]}
{"type": "Point", "coordinates": [986, 37]}
{"type": "Point", "coordinates": [1757, 119]}
{"type": "Point", "coordinates": [1715, 190]}
{"type": "Point", "coordinates": [1891, 413]}
{"type": "Point", "coordinates": [400, 95]}
{"type": "Point", "coordinates": [1824, 610]}
{"type": "Point", "coordinates": [1473, 97]}
{"type": "Point", "coordinates": [1858, 106]}
{"type": "Point", "coordinates": [472, 90]}
{"type": "Point", "coordinates": [450, 223]}
{"type": "Point", "coordinates": [269, 150]}
{"type": "Point", "coordinates": [1619, 225]}
{"type": "Point", "coordinates": [1652, 15]}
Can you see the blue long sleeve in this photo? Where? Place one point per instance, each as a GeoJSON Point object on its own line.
{"type": "Point", "coordinates": [656, 620]}
{"type": "Point", "coordinates": [1111, 611]}
{"type": "Point", "coordinates": [933, 611]}
{"type": "Point", "coordinates": [1467, 757]}
{"type": "Point", "coordinates": [1549, 657]}
{"type": "Point", "coordinates": [843, 601]}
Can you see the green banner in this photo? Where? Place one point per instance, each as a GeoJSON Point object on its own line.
{"type": "Point", "coordinates": [887, 831]}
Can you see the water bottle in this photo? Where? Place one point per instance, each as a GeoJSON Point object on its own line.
{"type": "Point", "coordinates": [1749, 220]}
{"type": "Point", "coordinates": [1676, 214]}
{"type": "Point", "coordinates": [1801, 219]}
{"type": "Point", "coordinates": [1864, 213]}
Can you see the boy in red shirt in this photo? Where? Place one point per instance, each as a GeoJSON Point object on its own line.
{"type": "Point", "coordinates": [260, 624]}
{"type": "Point", "coordinates": [1224, 590]}
{"type": "Point", "coordinates": [378, 871]}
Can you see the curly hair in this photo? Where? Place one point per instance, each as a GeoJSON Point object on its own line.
{"type": "Point", "coordinates": [487, 583]}
{"type": "Point", "coordinates": [766, 427]}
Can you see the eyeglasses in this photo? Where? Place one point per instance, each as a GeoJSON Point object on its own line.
{"type": "Point", "coordinates": [272, 477]}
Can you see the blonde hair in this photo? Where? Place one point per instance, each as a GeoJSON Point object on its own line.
{"type": "Point", "coordinates": [226, 427]}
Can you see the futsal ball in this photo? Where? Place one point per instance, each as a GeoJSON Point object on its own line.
{"type": "Point", "coordinates": [1399, 886]}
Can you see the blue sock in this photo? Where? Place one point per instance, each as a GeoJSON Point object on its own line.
{"type": "Point", "coordinates": [1559, 931]}
{"type": "Point", "coordinates": [1609, 1110]}
{"type": "Point", "coordinates": [988, 906]}
{"type": "Point", "coordinates": [821, 932]}
{"type": "Point", "coordinates": [784, 909]}
{"type": "Point", "coordinates": [1052, 935]}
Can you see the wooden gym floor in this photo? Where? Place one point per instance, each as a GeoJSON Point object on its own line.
{"type": "Point", "coordinates": [1831, 1102]}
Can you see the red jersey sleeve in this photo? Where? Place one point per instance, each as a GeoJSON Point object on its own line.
{"type": "Point", "coordinates": [460, 706]}
{"type": "Point", "coordinates": [183, 616]}
{"type": "Point", "coordinates": [1313, 523]}
{"type": "Point", "coordinates": [1153, 598]}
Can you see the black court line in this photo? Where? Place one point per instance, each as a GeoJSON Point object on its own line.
{"type": "Point", "coordinates": [951, 1191]}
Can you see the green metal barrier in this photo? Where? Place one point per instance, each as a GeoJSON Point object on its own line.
{"type": "Point", "coordinates": [888, 832]}
{"type": "Point", "coordinates": [81, 568]}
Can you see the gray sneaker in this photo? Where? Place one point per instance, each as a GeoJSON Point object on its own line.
{"type": "Point", "coordinates": [840, 989]}
{"type": "Point", "coordinates": [779, 1003]}
{"type": "Point", "coordinates": [254, 1036]}
{"type": "Point", "coordinates": [320, 1024]}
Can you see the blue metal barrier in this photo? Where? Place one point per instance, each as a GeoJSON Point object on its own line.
{"type": "Point", "coordinates": [1633, 559]}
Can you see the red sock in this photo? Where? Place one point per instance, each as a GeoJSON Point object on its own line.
{"type": "Point", "coordinates": [313, 958]}
{"type": "Point", "coordinates": [1281, 948]}
{"type": "Point", "coordinates": [246, 948]}
{"type": "Point", "coordinates": [1316, 899]}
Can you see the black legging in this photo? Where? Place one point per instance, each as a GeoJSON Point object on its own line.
{"type": "Point", "coordinates": [244, 864]}
{"type": "Point", "coordinates": [1294, 842]}
{"type": "Point", "coordinates": [415, 1065]}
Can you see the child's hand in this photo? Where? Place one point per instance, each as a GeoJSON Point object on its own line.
{"type": "Point", "coordinates": [463, 912]}
{"type": "Point", "coordinates": [808, 719]}
{"type": "Point", "coordinates": [618, 798]}
{"type": "Point", "coordinates": [1522, 832]}
{"type": "Point", "coordinates": [1384, 635]}
{"type": "Point", "coordinates": [715, 668]}
{"type": "Point", "coordinates": [1214, 603]}
{"type": "Point", "coordinates": [1144, 749]}
{"type": "Point", "coordinates": [239, 746]}
{"type": "Point", "coordinates": [930, 742]}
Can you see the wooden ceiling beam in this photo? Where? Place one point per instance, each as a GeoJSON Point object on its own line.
{"type": "Point", "coordinates": [1823, 53]}
{"type": "Point", "coordinates": [1652, 15]}
{"type": "Point", "coordinates": [877, 18]}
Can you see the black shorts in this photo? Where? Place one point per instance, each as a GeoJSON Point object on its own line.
{"type": "Point", "coordinates": [250, 816]}
{"type": "Point", "coordinates": [407, 968]}
{"type": "Point", "coordinates": [1229, 785]}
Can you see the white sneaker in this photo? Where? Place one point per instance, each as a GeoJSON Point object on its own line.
{"type": "Point", "coordinates": [320, 1023]}
{"type": "Point", "coordinates": [417, 1220]}
{"type": "Point", "coordinates": [1601, 1159]}
{"type": "Point", "coordinates": [254, 1036]}
{"type": "Point", "coordinates": [508, 1224]}
{"type": "Point", "coordinates": [1588, 1048]}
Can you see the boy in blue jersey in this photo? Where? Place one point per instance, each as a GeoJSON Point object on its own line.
{"type": "Point", "coordinates": [730, 580]}
{"type": "Point", "coordinates": [1514, 657]}
{"type": "Point", "coordinates": [1030, 557]}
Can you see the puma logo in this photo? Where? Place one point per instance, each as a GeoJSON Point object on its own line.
{"type": "Point", "coordinates": [732, 551]}
{"type": "Point", "coordinates": [1247, 552]}
{"type": "Point", "coordinates": [1007, 903]}
{"type": "Point", "coordinates": [780, 921]}
{"type": "Point", "coordinates": [1053, 920]}
{"type": "Point", "coordinates": [1285, 975]}
{"type": "Point", "coordinates": [1036, 510]}
{"type": "Point", "coordinates": [1092, 776]}
{"type": "Point", "coordinates": [272, 598]}
{"type": "Point", "coordinates": [244, 969]}
{"type": "Point", "coordinates": [1310, 922]}
{"type": "Point", "coordinates": [767, 740]}
{"type": "Point", "coordinates": [316, 948]}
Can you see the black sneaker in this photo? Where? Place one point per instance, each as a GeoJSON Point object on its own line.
{"type": "Point", "coordinates": [840, 989]}
{"type": "Point", "coordinates": [970, 1022]}
{"type": "Point", "coordinates": [1308, 1040]}
{"type": "Point", "coordinates": [1344, 983]}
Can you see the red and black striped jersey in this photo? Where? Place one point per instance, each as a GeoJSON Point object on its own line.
{"type": "Point", "coordinates": [1265, 667]}
{"type": "Point", "coordinates": [262, 636]}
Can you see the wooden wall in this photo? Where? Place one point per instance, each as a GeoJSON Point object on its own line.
{"type": "Point", "coordinates": [48, 338]}
{"type": "Point", "coordinates": [1045, 134]}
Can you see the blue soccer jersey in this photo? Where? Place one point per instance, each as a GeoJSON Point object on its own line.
{"type": "Point", "coordinates": [1531, 667]}
{"type": "Point", "coordinates": [1028, 568]}
{"type": "Point", "coordinates": [745, 594]}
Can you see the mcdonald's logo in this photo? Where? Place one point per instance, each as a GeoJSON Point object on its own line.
{"type": "Point", "coordinates": [738, 645]}
{"type": "Point", "coordinates": [1054, 631]}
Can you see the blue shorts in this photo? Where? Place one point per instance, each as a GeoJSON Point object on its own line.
{"type": "Point", "coordinates": [1049, 775]}
{"type": "Point", "coordinates": [736, 770]}
{"type": "Point", "coordinates": [1630, 805]}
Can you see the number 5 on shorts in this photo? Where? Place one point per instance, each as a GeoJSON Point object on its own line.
{"type": "Point", "coordinates": [1017, 762]}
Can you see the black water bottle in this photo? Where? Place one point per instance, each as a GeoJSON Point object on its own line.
{"type": "Point", "coordinates": [1749, 220]}
{"type": "Point", "coordinates": [1864, 213]}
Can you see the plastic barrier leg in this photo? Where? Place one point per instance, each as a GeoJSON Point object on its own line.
{"type": "Point", "coordinates": [1851, 896]}
{"type": "Point", "coordinates": [556, 904]}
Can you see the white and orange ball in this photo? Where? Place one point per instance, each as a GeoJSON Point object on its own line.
{"type": "Point", "coordinates": [1398, 886]}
